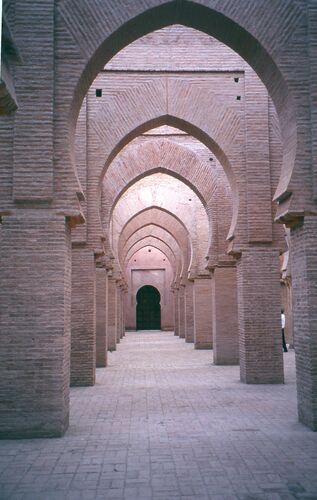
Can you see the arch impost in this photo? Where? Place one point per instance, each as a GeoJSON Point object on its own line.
{"type": "Point", "coordinates": [101, 262]}
{"type": "Point", "coordinates": [234, 250]}
{"type": "Point", "coordinates": [203, 277]}
{"type": "Point", "coordinates": [290, 216]}
{"type": "Point", "coordinates": [74, 218]}
{"type": "Point", "coordinates": [211, 262]}
{"type": "Point", "coordinates": [175, 286]}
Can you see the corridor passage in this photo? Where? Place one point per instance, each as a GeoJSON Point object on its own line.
{"type": "Point", "coordinates": [163, 422]}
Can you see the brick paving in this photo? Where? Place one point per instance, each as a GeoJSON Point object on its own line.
{"type": "Point", "coordinates": [164, 423]}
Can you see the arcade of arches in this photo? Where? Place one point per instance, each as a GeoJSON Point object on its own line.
{"type": "Point", "coordinates": [157, 170]}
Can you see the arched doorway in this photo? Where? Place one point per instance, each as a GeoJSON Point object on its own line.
{"type": "Point", "coordinates": [148, 308]}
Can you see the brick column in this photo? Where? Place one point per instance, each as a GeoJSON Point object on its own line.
{"type": "Point", "coordinates": [124, 301]}
{"type": "Point", "coordinates": [112, 314]}
{"type": "Point", "coordinates": [176, 320]}
{"type": "Point", "coordinates": [304, 280]}
{"type": "Point", "coordinates": [189, 311]}
{"type": "Point", "coordinates": [83, 336]}
{"type": "Point", "coordinates": [259, 313]}
{"type": "Point", "coordinates": [121, 312]}
{"type": "Point", "coordinates": [225, 316]}
{"type": "Point", "coordinates": [101, 316]}
{"type": "Point", "coordinates": [35, 294]}
{"type": "Point", "coordinates": [181, 312]}
{"type": "Point", "coordinates": [118, 330]}
{"type": "Point", "coordinates": [202, 313]}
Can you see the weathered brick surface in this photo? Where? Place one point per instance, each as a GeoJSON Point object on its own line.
{"type": "Point", "coordinates": [101, 317]}
{"type": "Point", "coordinates": [189, 311]}
{"type": "Point", "coordinates": [259, 310]}
{"type": "Point", "coordinates": [112, 323]}
{"type": "Point", "coordinates": [225, 316]}
{"type": "Point", "coordinates": [83, 338]}
{"type": "Point", "coordinates": [181, 312]}
{"type": "Point", "coordinates": [203, 335]}
{"type": "Point", "coordinates": [176, 311]}
{"type": "Point", "coordinates": [34, 85]}
{"type": "Point", "coordinates": [35, 275]}
{"type": "Point", "coordinates": [304, 278]}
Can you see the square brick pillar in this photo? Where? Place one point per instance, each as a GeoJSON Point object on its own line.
{"type": "Point", "coordinates": [83, 336]}
{"type": "Point", "coordinates": [35, 299]}
{"type": "Point", "coordinates": [176, 312]}
{"type": "Point", "coordinates": [101, 317]}
{"type": "Point", "coordinates": [259, 314]}
{"type": "Point", "coordinates": [118, 332]}
{"type": "Point", "coordinates": [225, 316]}
{"type": "Point", "coordinates": [121, 291]}
{"type": "Point", "coordinates": [189, 311]}
{"type": "Point", "coordinates": [202, 313]}
{"type": "Point", "coordinates": [304, 280]}
{"type": "Point", "coordinates": [112, 314]}
{"type": "Point", "coordinates": [124, 301]}
{"type": "Point", "coordinates": [181, 312]}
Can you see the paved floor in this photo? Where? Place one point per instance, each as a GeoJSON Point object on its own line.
{"type": "Point", "coordinates": [163, 423]}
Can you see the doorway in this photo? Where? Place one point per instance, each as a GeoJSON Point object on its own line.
{"type": "Point", "coordinates": [148, 308]}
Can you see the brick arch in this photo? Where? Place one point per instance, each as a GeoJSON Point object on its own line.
{"type": "Point", "coordinates": [124, 211]}
{"type": "Point", "coordinates": [140, 160]}
{"type": "Point", "coordinates": [259, 35]}
{"type": "Point", "coordinates": [160, 245]}
{"type": "Point", "coordinates": [165, 252]}
{"type": "Point", "coordinates": [134, 163]}
{"type": "Point", "coordinates": [162, 234]}
{"type": "Point", "coordinates": [153, 215]}
{"type": "Point", "coordinates": [161, 219]}
{"type": "Point", "coordinates": [198, 126]}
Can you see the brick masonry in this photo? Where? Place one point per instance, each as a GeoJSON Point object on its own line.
{"type": "Point", "coordinates": [83, 352]}
{"type": "Point", "coordinates": [101, 317]}
{"type": "Point", "coordinates": [225, 316]}
{"type": "Point", "coordinates": [55, 170]}
{"type": "Point", "coordinates": [202, 314]}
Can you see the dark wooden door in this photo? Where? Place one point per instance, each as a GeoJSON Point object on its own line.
{"type": "Point", "coordinates": [148, 308]}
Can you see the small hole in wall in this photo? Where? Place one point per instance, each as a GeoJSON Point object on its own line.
{"type": "Point", "coordinates": [98, 92]}
{"type": "Point", "coordinates": [211, 159]}
{"type": "Point", "coordinates": [238, 97]}
{"type": "Point", "coordinates": [189, 199]}
{"type": "Point", "coordinates": [134, 260]}
{"type": "Point", "coordinates": [149, 250]}
{"type": "Point", "coordinates": [236, 79]}
{"type": "Point", "coordinates": [164, 260]}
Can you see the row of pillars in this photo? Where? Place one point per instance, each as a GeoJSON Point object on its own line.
{"type": "Point", "coordinates": [236, 311]}
{"type": "Point", "coordinates": [97, 316]}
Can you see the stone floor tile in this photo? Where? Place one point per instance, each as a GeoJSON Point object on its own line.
{"type": "Point", "coordinates": [164, 423]}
